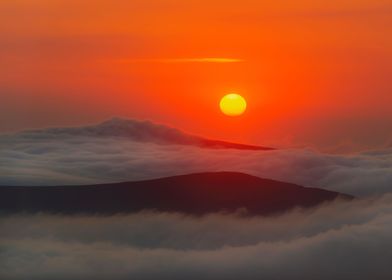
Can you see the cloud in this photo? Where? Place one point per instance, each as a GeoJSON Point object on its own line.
{"type": "Point", "coordinates": [346, 240]}
{"type": "Point", "coordinates": [80, 156]}
{"type": "Point", "coordinates": [183, 60]}
{"type": "Point", "coordinates": [339, 240]}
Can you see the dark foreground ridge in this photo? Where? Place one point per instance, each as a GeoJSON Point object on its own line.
{"type": "Point", "coordinates": [193, 194]}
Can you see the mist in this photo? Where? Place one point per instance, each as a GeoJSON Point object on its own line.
{"type": "Point", "coordinates": [78, 156]}
{"type": "Point", "coordinates": [339, 240]}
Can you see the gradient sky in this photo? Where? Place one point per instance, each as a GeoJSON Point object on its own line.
{"type": "Point", "coordinates": [313, 72]}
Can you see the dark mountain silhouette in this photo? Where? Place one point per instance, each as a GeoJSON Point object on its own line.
{"type": "Point", "coordinates": [192, 194]}
{"type": "Point", "coordinates": [141, 131]}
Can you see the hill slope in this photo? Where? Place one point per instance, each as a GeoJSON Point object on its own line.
{"type": "Point", "coordinates": [192, 194]}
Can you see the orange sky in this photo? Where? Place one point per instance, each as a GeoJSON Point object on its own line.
{"type": "Point", "coordinates": [313, 72]}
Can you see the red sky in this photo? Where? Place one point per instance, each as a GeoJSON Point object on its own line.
{"type": "Point", "coordinates": [313, 72]}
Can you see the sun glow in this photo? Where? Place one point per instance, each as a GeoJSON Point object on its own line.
{"type": "Point", "coordinates": [233, 104]}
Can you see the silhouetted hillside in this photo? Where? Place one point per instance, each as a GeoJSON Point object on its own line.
{"type": "Point", "coordinates": [192, 194]}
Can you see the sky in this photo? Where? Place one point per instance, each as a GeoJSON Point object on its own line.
{"type": "Point", "coordinates": [314, 73]}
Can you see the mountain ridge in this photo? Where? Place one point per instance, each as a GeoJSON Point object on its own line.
{"type": "Point", "coordinates": [195, 194]}
{"type": "Point", "coordinates": [142, 131]}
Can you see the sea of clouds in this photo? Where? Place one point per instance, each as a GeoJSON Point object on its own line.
{"type": "Point", "coordinates": [345, 240]}
{"type": "Point", "coordinates": [92, 155]}
{"type": "Point", "coordinates": [339, 240]}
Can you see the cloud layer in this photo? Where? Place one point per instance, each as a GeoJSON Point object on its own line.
{"type": "Point", "coordinates": [83, 156]}
{"type": "Point", "coordinates": [346, 240]}
{"type": "Point", "coordinates": [339, 240]}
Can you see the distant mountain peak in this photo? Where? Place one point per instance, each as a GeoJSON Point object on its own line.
{"type": "Point", "coordinates": [145, 131]}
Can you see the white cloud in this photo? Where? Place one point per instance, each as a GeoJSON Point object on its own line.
{"type": "Point", "coordinates": [348, 240]}
{"type": "Point", "coordinates": [76, 158]}
{"type": "Point", "coordinates": [340, 240]}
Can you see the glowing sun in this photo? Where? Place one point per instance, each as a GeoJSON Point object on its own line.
{"type": "Point", "coordinates": [233, 104]}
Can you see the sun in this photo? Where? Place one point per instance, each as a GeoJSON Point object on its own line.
{"type": "Point", "coordinates": [233, 104]}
